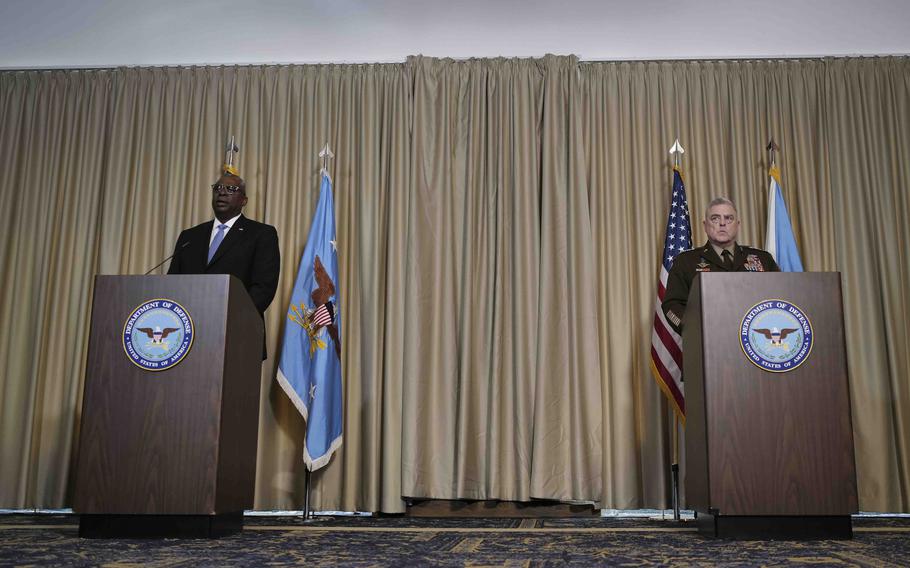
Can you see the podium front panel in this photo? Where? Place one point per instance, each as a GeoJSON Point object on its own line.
{"type": "Point", "coordinates": [777, 443]}
{"type": "Point", "coordinates": [148, 440]}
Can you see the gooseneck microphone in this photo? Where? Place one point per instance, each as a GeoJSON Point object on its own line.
{"type": "Point", "coordinates": [180, 248]}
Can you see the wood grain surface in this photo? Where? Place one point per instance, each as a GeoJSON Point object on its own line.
{"type": "Point", "coordinates": [151, 442]}
{"type": "Point", "coordinates": [771, 443]}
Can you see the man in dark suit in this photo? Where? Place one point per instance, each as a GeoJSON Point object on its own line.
{"type": "Point", "coordinates": [720, 254]}
{"type": "Point", "coordinates": [232, 244]}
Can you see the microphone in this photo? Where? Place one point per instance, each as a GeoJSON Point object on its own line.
{"type": "Point", "coordinates": [180, 248]}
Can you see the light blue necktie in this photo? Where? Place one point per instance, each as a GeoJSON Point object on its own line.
{"type": "Point", "coordinates": [219, 236]}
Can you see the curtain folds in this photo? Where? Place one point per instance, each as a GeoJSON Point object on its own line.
{"type": "Point", "coordinates": [502, 377]}
{"type": "Point", "coordinates": [499, 221]}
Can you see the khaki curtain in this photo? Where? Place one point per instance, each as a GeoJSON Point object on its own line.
{"type": "Point", "coordinates": [499, 225]}
{"type": "Point", "coordinates": [502, 377]}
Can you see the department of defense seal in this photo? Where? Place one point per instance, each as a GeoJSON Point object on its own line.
{"type": "Point", "coordinates": [776, 335]}
{"type": "Point", "coordinates": [158, 334]}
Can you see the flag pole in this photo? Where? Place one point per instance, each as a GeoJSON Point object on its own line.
{"type": "Point", "coordinates": [229, 153]}
{"type": "Point", "coordinates": [306, 489]}
{"type": "Point", "coordinates": [677, 151]}
{"type": "Point", "coordinates": [674, 467]}
{"type": "Point", "coordinates": [325, 154]}
{"type": "Point", "coordinates": [772, 147]}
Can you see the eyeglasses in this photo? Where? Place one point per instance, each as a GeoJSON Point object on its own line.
{"type": "Point", "coordinates": [229, 189]}
{"type": "Point", "coordinates": [727, 219]}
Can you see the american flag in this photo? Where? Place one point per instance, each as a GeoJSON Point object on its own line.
{"type": "Point", "coordinates": [324, 315]}
{"type": "Point", "coordinates": [666, 344]}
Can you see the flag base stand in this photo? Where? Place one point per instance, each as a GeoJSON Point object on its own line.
{"type": "Point", "coordinates": [675, 471]}
{"type": "Point", "coordinates": [306, 498]}
{"type": "Point", "coordinates": [674, 467]}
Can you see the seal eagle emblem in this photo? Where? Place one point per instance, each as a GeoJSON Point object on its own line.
{"type": "Point", "coordinates": [322, 317]}
{"type": "Point", "coordinates": [776, 335]}
{"type": "Point", "coordinates": [158, 334]}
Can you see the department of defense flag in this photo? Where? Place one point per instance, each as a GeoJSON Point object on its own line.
{"type": "Point", "coordinates": [310, 367]}
{"type": "Point", "coordinates": [779, 240]}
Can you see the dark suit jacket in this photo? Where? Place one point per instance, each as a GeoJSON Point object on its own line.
{"type": "Point", "coordinates": [703, 259]}
{"type": "Point", "coordinates": [249, 252]}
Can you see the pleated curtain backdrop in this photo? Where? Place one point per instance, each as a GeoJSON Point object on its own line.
{"type": "Point", "coordinates": [499, 226]}
{"type": "Point", "coordinates": [502, 377]}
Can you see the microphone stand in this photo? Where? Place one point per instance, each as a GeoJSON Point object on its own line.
{"type": "Point", "coordinates": [180, 248]}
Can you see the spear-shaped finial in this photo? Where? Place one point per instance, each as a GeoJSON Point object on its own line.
{"type": "Point", "coordinates": [677, 150]}
{"type": "Point", "coordinates": [773, 147]}
{"type": "Point", "coordinates": [326, 154]}
{"type": "Point", "coordinates": [229, 157]}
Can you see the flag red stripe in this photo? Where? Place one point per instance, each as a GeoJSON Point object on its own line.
{"type": "Point", "coordinates": [673, 366]}
{"type": "Point", "coordinates": [668, 340]}
{"type": "Point", "coordinates": [322, 316]}
{"type": "Point", "coordinates": [668, 381]}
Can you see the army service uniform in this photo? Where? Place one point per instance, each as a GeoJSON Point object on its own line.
{"type": "Point", "coordinates": [704, 259]}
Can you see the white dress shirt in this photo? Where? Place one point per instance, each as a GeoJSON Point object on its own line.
{"type": "Point", "coordinates": [217, 223]}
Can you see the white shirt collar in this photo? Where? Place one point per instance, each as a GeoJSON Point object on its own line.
{"type": "Point", "coordinates": [217, 223]}
{"type": "Point", "coordinates": [230, 222]}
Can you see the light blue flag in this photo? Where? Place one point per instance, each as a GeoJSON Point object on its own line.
{"type": "Point", "coordinates": [310, 367]}
{"type": "Point", "coordinates": [779, 241]}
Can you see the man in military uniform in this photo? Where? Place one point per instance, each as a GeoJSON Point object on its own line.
{"type": "Point", "coordinates": [720, 254]}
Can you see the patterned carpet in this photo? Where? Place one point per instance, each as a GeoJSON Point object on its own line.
{"type": "Point", "coordinates": [51, 540]}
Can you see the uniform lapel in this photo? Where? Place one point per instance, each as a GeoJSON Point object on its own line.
{"type": "Point", "coordinates": [199, 249]}
{"type": "Point", "coordinates": [739, 258]}
{"type": "Point", "coordinates": [232, 237]}
{"type": "Point", "coordinates": [708, 254]}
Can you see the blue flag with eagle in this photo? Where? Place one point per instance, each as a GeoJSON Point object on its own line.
{"type": "Point", "coordinates": [779, 239]}
{"type": "Point", "coordinates": [310, 367]}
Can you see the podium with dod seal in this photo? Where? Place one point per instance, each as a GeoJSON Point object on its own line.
{"type": "Point", "coordinates": [171, 407]}
{"type": "Point", "coordinates": [769, 438]}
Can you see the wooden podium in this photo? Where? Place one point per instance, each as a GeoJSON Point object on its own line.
{"type": "Point", "coordinates": [168, 447]}
{"type": "Point", "coordinates": [769, 443]}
